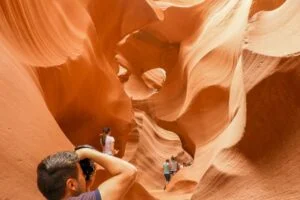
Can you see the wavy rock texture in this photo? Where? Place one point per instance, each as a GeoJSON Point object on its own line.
{"type": "Point", "coordinates": [214, 82]}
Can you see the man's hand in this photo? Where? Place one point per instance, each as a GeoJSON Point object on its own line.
{"type": "Point", "coordinates": [82, 153]}
{"type": "Point", "coordinates": [123, 173]}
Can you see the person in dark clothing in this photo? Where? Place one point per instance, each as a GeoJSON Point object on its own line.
{"type": "Point", "coordinates": [166, 170]}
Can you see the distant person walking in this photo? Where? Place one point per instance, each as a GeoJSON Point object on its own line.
{"type": "Point", "coordinates": [167, 171]}
{"type": "Point", "coordinates": [174, 165]}
{"type": "Point", "coordinates": [107, 142]}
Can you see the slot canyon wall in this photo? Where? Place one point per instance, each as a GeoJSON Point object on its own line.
{"type": "Point", "coordinates": [215, 82]}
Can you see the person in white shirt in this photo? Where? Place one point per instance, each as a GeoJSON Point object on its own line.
{"type": "Point", "coordinates": [107, 142]}
{"type": "Point", "coordinates": [174, 166]}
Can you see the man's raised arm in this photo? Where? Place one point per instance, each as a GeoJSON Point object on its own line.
{"type": "Point", "coordinates": [123, 173]}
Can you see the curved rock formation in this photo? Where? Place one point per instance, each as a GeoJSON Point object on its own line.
{"type": "Point", "coordinates": [213, 82]}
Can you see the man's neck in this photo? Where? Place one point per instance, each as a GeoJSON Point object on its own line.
{"type": "Point", "coordinates": [67, 196]}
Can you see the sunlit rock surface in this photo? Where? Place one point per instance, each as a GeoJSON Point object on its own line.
{"type": "Point", "coordinates": [214, 82]}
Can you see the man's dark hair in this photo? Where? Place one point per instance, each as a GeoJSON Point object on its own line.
{"type": "Point", "coordinates": [54, 171]}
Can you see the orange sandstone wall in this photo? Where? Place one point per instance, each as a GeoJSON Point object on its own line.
{"type": "Point", "coordinates": [216, 81]}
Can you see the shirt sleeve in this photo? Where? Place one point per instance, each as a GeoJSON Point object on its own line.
{"type": "Point", "coordinates": [94, 195]}
{"type": "Point", "coordinates": [112, 139]}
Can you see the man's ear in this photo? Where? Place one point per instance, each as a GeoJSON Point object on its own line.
{"type": "Point", "coordinates": [71, 184]}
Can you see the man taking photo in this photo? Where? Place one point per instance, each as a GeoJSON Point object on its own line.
{"type": "Point", "coordinates": [63, 176]}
